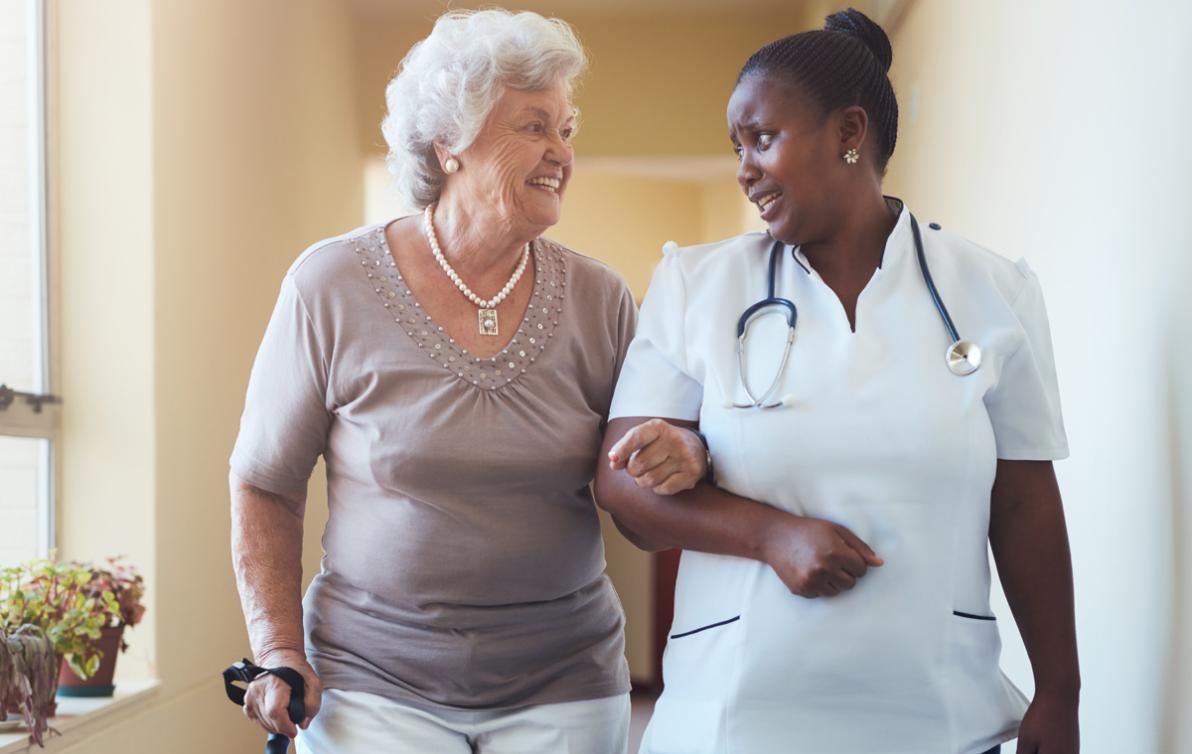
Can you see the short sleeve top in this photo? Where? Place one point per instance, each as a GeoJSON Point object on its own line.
{"type": "Point", "coordinates": [463, 564]}
{"type": "Point", "coordinates": [665, 368]}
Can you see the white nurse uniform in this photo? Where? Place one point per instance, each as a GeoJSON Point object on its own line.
{"type": "Point", "coordinates": [877, 435]}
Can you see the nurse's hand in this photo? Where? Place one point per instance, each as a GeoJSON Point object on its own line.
{"type": "Point", "coordinates": [1051, 726]}
{"type": "Point", "coordinates": [660, 456]}
{"type": "Point", "coordinates": [817, 558]}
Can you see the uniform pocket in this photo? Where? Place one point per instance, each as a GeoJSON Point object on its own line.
{"type": "Point", "coordinates": [976, 647]}
{"type": "Point", "coordinates": [710, 626]}
{"type": "Point", "coordinates": [986, 706]}
{"type": "Point", "coordinates": [972, 616]}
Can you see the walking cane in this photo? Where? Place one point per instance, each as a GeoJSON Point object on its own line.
{"type": "Point", "coordinates": [245, 672]}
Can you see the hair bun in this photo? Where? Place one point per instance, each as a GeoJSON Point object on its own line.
{"type": "Point", "coordinates": [857, 24]}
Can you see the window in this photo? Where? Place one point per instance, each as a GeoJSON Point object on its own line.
{"type": "Point", "coordinates": [28, 414]}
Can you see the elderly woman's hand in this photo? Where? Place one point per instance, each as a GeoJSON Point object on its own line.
{"type": "Point", "coordinates": [267, 697]}
{"type": "Point", "coordinates": [661, 456]}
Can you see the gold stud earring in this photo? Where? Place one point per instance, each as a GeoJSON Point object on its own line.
{"type": "Point", "coordinates": [451, 165]}
{"type": "Point", "coordinates": [851, 156]}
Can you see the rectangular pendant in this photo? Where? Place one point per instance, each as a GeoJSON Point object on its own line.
{"type": "Point", "coordinates": [488, 322]}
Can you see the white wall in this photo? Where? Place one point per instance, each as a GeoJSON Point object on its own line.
{"type": "Point", "coordinates": [1056, 131]}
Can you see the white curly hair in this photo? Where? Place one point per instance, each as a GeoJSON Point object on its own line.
{"type": "Point", "coordinates": [448, 83]}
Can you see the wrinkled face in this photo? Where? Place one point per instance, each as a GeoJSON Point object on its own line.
{"type": "Point", "coordinates": [521, 160]}
{"type": "Point", "coordinates": [789, 157]}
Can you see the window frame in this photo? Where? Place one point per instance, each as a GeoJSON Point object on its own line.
{"type": "Point", "coordinates": [37, 415]}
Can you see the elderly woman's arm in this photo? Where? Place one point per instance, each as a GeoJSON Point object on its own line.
{"type": "Point", "coordinates": [1030, 544]}
{"type": "Point", "coordinates": [267, 558]}
{"type": "Point", "coordinates": [813, 557]}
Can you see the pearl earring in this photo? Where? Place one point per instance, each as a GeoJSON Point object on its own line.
{"type": "Point", "coordinates": [451, 165]}
{"type": "Point", "coordinates": [851, 156]}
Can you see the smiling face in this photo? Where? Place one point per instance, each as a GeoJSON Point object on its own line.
{"type": "Point", "coordinates": [521, 160]}
{"type": "Point", "coordinates": [789, 157]}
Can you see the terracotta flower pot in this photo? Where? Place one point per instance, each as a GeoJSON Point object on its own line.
{"type": "Point", "coordinates": [100, 684]}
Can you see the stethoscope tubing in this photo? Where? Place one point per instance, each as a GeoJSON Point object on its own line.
{"type": "Point", "coordinates": [935, 294]}
{"type": "Point", "coordinates": [786, 353]}
{"type": "Point", "coordinates": [792, 314]}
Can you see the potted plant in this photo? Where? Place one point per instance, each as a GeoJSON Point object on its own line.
{"type": "Point", "coordinates": [115, 584]}
{"type": "Point", "coordinates": [47, 616]}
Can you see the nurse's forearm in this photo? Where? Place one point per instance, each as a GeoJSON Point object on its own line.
{"type": "Point", "coordinates": [267, 559]}
{"type": "Point", "coordinates": [1030, 544]}
{"type": "Point", "coordinates": [705, 518]}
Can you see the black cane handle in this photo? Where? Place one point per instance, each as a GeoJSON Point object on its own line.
{"type": "Point", "coordinates": [277, 744]}
{"type": "Point", "coordinates": [297, 706]}
{"type": "Point", "coordinates": [246, 672]}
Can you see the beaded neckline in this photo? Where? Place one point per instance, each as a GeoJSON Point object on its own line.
{"type": "Point", "coordinates": [536, 329]}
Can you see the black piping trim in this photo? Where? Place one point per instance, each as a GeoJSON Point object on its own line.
{"type": "Point", "coordinates": [705, 628]}
{"type": "Point", "coordinates": [795, 256]}
{"type": "Point", "coordinates": [896, 205]}
{"type": "Point", "coordinates": [959, 614]}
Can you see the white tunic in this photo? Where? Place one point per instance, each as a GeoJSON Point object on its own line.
{"type": "Point", "coordinates": [882, 438]}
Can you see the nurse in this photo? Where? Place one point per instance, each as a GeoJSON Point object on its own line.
{"type": "Point", "coordinates": [833, 593]}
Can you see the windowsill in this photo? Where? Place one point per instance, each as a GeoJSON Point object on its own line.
{"type": "Point", "coordinates": [78, 714]}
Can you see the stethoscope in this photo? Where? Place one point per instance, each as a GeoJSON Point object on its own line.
{"type": "Point", "coordinates": [963, 357]}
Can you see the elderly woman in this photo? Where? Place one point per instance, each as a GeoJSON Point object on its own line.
{"type": "Point", "coordinates": [455, 370]}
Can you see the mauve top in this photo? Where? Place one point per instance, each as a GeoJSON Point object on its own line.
{"type": "Point", "coordinates": [462, 565]}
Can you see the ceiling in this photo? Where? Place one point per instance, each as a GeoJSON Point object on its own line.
{"type": "Point", "coordinates": [885, 12]}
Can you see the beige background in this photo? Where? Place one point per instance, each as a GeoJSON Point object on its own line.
{"type": "Point", "coordinates": [198, 147]}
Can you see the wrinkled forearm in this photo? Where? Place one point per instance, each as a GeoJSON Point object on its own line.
{"type": "Point", "coordinates": [267, 560]}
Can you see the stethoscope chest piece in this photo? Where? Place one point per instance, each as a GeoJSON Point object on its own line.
{"type": "Point", "coordinates": [964, 358]}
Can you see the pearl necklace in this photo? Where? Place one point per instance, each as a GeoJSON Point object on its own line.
{"type": "Point", "coordinates": [488, 308]}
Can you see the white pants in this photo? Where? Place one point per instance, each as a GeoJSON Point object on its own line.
{"type": "Point", "coordinates": [354, 722]}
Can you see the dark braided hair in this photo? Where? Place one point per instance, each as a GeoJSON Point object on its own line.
{"type": "Point", "coordinates": [843, 64]}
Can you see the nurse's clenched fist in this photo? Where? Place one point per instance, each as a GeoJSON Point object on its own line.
{"type": "Point", "coordinates": [817, 558]}
{"type": "Point", "coordinates": [660, 456]}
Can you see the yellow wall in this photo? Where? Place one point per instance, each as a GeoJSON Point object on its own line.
{"type": "Point", "coordinates": [624, 221]}
{"type": "Point", "coordinates": [203, 146]}
{"type": "Point", "coordinates": [726, 210]}
{"type": "Point", "coordinates": [102, 245]}
{"type": "Point", "coordinates": [657, 85]}
{"type": "Point", "coordinates": [255, 161]}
